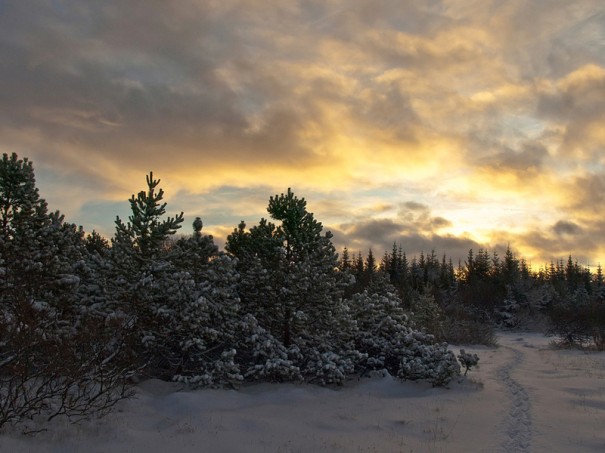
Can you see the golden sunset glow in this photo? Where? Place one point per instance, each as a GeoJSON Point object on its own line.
{"type": "Point", "coordinates": [445, 125]}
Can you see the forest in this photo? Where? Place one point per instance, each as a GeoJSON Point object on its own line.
{"type": "Point", "coordinates": [84, 318]}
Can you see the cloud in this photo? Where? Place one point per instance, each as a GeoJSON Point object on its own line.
{"type": "Point", "coordinates": [566, 227]}
{"type": "Point", "coordinates": [482, 115]}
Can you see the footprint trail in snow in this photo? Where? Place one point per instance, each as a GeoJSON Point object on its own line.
{"type": "Point", "coordinates": [518, 425]}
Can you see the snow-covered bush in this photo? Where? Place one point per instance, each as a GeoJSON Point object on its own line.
{"type": "Point", "coordinates": [468, 360]}
{"type": "Point", "coordinates": [206, 328]}
{"type": "Point", "coordinates": [381, 325]}
{"type": "Point", "coordinates": [263, 357]}
{"type": "Point", "coordinates": [385, 336]}
{"type": "Point", "coordinates": [423, 360]}
{"type": "Point", "coordinates": [328, 367]}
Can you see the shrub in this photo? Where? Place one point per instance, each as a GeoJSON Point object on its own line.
{"type": "Point", "coordinates": [388, 341]}
{"type": "Point", "coordinates": [52, 365]}
{"type": "Point", "coordinates": [468, 360]}
{"type": "Point", "coordinates": [468, 325]}
{"type": "Point", "coordinates": [578, 320]}
{"type": "Point", "coordinates": [430, 362]}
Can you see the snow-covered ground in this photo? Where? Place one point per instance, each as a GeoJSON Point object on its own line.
{"type": "Point", "coordinates": [525, 396]}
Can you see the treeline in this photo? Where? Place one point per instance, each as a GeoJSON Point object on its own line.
{"type": "Point", "coordinates": [408, 275]}
{"type": "Point", "coordinates": [562, 298]}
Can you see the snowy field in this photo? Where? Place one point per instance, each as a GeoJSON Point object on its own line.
{"type": "Point", "coordinates": [524, 397]}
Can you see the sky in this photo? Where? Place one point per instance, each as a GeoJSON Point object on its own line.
{"type": "Point", "coordinates": [437, 124]}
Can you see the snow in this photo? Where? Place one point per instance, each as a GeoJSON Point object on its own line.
{"type": "Point", "coordinates": [524, 396]}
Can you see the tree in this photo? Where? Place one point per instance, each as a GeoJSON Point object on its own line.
{"type": "Point", "coordinates": [144, 236]}
{"type": "Point", "coordinates": [370, 268]}
{"type": "Point", "coordinates": [290, 283]}
{"type": "Point", "coordinates": [193, 253]}
{"type": "Point", "coordinates": [144, 285]}
{"type": "Point", "coordinates": [427, 314]}
{"type": "Point", "coordinates": [345, 261]}
{"type": "Point", "coordinates": [598, 280]}
{"type": "Point", "coordinates": [59, 354]}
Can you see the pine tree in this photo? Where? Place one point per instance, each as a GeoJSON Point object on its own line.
{"type": "Point", "coordinates": [291, 286]}
{"type": "Point", "coordinates": [426, 314]}
{"type": "Point", "coordinates": [95, 243]}
{"type": "Point", "coordinates": [193, 253]}
{"type": "Point", "coordinates": [510, 268]}
{"type": "Point", "coordinates": [144, 284]}
{"type": "Point", "coordinates": [144, 236]}
{"type": "Point", "coordinates": [58, 355]}
{"type": "Point", "coordinates": [599, 276]}
{"type": "Point", "coordinates": [369, 269]}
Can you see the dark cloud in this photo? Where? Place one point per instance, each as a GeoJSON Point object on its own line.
{"type": "Point", "coordinates": [555, 247]}
{"type": "Point", "coordinates": [373, 231]}
{"type": "Point", "coordinates": [575, 99]}
{"type": "Point", "coordinates": [566, 227]}
{"type": "Point", "coordinates": [414, 229]}
{"type": "Point", "coordinates": [414, 206]}
{"type": "Point", "coordinates": [529, 158]}
{"type": "Point", "coordinates": [136, 81]}
{"type": "Point", "coordinates": [382, 234]}
{"type": "Point", "coordinates": [415, 216]}
{"type": "Point", "coordinates": [440, 222]}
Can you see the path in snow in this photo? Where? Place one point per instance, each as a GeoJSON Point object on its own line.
{"type": "Point", "coordinates": [518, 425]}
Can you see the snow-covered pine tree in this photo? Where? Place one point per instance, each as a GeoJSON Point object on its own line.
{"type": "Point", "coordinates": [56, 358]}
{"type": "Point", "coordinates": [207, 328]}
{"type": "Point", "coordinates": [194, 252]}
{"type": "Point", "coordinates": [291, 285]}
{"type": "Point", "coordinates": [144, 284]}
{"type": "Point", "coordinates": [184, 302]}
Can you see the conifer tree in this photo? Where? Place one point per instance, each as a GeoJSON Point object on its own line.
{"type": "Point", "coordinates": [59, 356]}
{"type": "Point", "coordinates": [599, 276]}
{"type": "Point", "coordinates": [145, 234]}
{"type": "Point", "coordinates": [345, 260]}
{"type": "Point", "coordinates": [144, 285]}
{"type": "Point", "coordinates": [290, 284]}
{"type": "Point", "coordinates": [193, 253]}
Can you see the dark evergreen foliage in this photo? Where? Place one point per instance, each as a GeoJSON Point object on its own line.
{"type": "Point", "coordinates": [59, 353]}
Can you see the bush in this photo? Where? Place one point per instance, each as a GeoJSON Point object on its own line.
{"type": "Point", "coordinates": [468, 360]}
{"type": "Point", "coordinates": [51, 365]}
{"type": "Point", "coordinates": [468, 325]}
{"type": "Point", "coordinates": [430, 362]}
{"type": "Point", "coordinates": [388, 341]}
{"type": "Point", "coordinates": [579, 320]}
